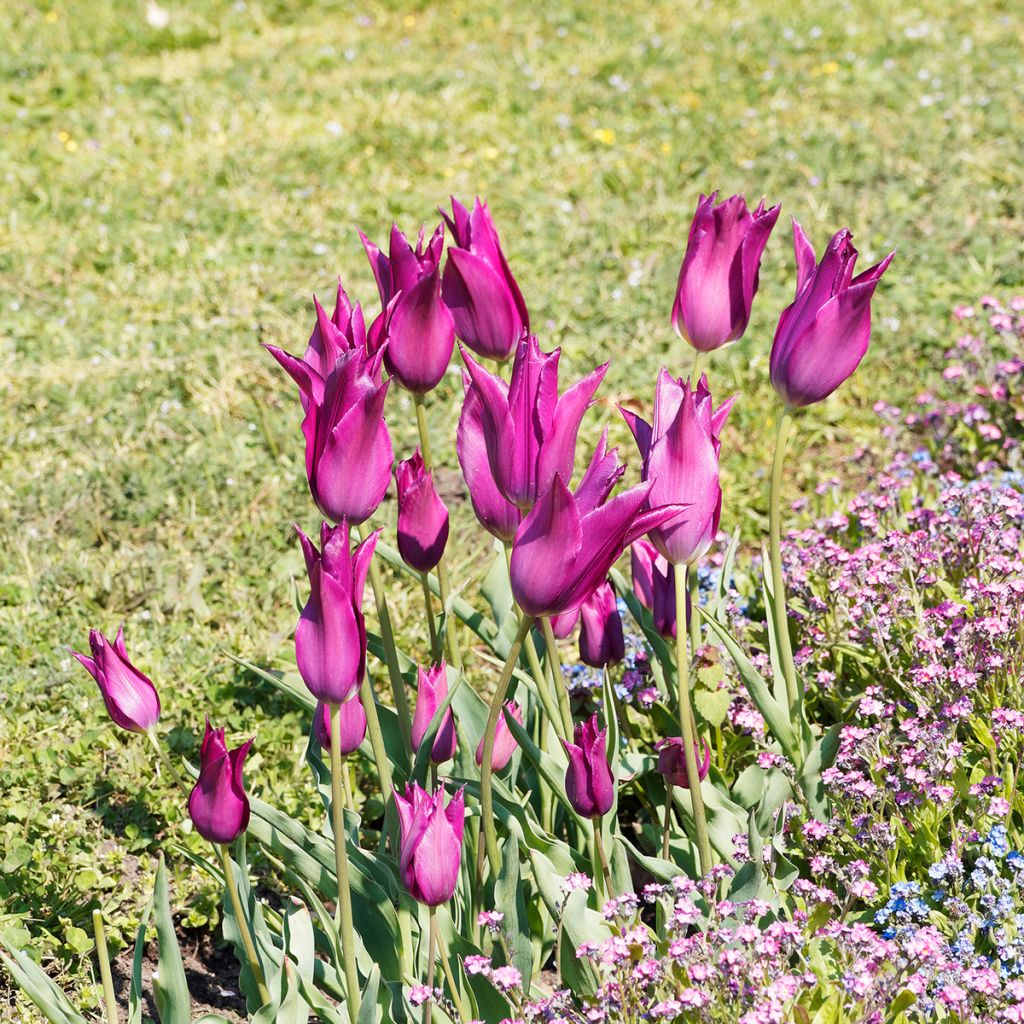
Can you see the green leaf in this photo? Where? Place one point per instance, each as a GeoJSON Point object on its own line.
{"type": "Point", "coordinates": [509, 898]}
{"type": "Point", "coordinates": [136, 996]}
{"type": "Point", "coordinates": [79, 940]}
{"type": "Point", "coordinates": [291, 1008]}
{"type": "Point", "coordinates": [170, 988]}
{"type": "Point", "coordinates": [578, 924]}
{"type": "Point", "coordinates": [712, 705]}
{"type": "Point", "coordinates": [39, 987]}
{"type": "Point", "coordinates": [369, 1011]}
{"type": "Point", "coordinates": [821, 756]}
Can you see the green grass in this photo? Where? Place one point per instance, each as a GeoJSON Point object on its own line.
{"type": "Point", "coordinates": [171, 196]}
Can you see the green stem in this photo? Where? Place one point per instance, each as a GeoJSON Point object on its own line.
{"type": "Point", "coordinates": [431, 957]}
{"type": "Point", "coordinates": [687, 730]}
{"type": "Point", "coordinates": [667, 825]}
{"type": "Point", "coordinates": [166, 761]}
{"type": "Point", "coordinates": [343, 911]}
{"type": "Point", "coordinates": [693, 588]}
{"type": "Point", "coordinates": [555, 666]}
{"type": "Point", "coordinates": [346, 785]}
{"type": "Point", "coordinates": [104, 958]}
{"type": "Point", "coordinates": [543, 687]}
{"type": "Point", "coordinates": [428, 603]}
{"type": "Point", "coordinates": [602, 858]}
{"type": "Point", "coordinates": [446, 967]}
{"type": "Point", "coordinates": [243, 924]}
{"type": "Point", "coordinates": [486, 773]}
{"type": "Point", "coordinates": [698, 360]}
{"type": "Point", "coordinates": [380, 755]}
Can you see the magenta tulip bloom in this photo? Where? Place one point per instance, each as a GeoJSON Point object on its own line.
{"type": "Point", "coordinates": [601, 639]}
{"type": "Point", "coordinates": [489, 311]}
{"type": "Point", "coordinates": [496, 514]}
{"type": "Point", "coordinates": [217, 805]}
{"type": "Point", "coordinates": [504, 742]}
{"type": "Point", "coordinates": [672, 761]}
{"type": "Point", "coordinates": [529, 431]}
{"type": "Point", "coordinates": [330, 639]}
{"type": "Point", "coordinates": [588, 782]}
{"type": "Point", "coordinates": [422, 516]}
{"type": "Point", "coordinates": [680, 453]}
{"type": "Point", "coordinates": [131, 698]}
{"type": "Point", "coordinates": [719, 275]}
{"type": "Point", "coordinates": [431, 690]}
{"type": "Point", "coordinates": [431, 850]}
{"type": "Point", "coordinates": [353, 725]}
{"type": "Point", "coordinates": [415, 322]}
{"type": "Point", "coordinates": [642, 554]}
{"type": "Point", "coordinates": [822, 337]}
{"type": "Point", "coordinates": [654, 583]}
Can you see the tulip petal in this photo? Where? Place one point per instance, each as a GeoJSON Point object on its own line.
{"type": "Point", "coordinates": [421, 336]}
{"type": "Point", "coordinates": [484, 311]}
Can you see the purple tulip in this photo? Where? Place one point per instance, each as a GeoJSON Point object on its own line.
{"type": "Point", "coordinates": [642, 554]}
{"type": "Point", "coordinates": [672, 761]}
{"type": "Point", "coordinates": [654, 583]}
{"type": "Point", "coordinates": [680, 460]}
{"type": "Point", "coordinates": [601, 639]}
{"type": "Point", "coordinates": [530, 432]}
{"type": "Point", "coordinates": [504, 742]}
{"type": "Point", "coordinates": [588, 782]}
{"type": "Point", "coordinates": [431, 849]}
{"type": "Point", "coordinates": [217, 805]}
{"type": "Point", "coordinates": [417, 325]}
{"type": "Point", "coordinates": [489, 311]}
{"type": "Point", "coordinates": [422, 516]}
{"type": "Point", "coordinates": [718, 278]}
{"type": "Point", "coordinates": [353, 725]}
{"type": "Point", "coordinates": [822, 337]}
{"type": "Point", "coordinates": [496, 514]}
{"type": "Point", "coordinates": [431, 691]}
{"type": "Point", "coordinates": [131, 698]}
{"type": "Point", "coordinates": [330, 639]}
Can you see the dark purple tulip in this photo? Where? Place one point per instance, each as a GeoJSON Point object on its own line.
{"type": "Point", "coordinates": [588, 782]}
{"type": "Point", "coordinates": [217, 805]}
{"type": "Point", "coordinates": [654, 583]}
{"type": "Point", "coordinates": [431, 691]}
{"type": "Point", "coordinates": [431, 849]}
{"type": "Point", "coordinates": [353, 725]}
{"type": "Point", "coordinates": [601, 639]}
{"type": "Point", "coordinates": [822, 337]}
{"type": "Point", "coordinates": [131, 698]}
{"type": "Point", "coordinates": [504, 742]}
{"type": "Point", "coordinates": [672, 761]}
{"type": "Point", "coordinates": [489, 311]}
{"type": "Point", "coordinates": [416, 324]}
{"type": "Point", "coordinates": [718, 278]}
{"type": "Point", "coordinates": [330, 639]}
{"type": "Point", "coordinates": [422, 516]}
{"type": "Point", "coordinates": [642, 554]}
{"type": "Point", "coordinates": [530, 432]}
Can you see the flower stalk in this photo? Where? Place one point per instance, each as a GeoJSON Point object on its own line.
{"type": "Point", "coordinates": [243, 923]}
{"type": "Point", "coordinates": [555, 666]}
{"type": "Point", "coordinates": [103, 955]}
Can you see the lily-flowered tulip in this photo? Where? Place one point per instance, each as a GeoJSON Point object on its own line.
{"type": "Point", "coordinates": [601, 638]}
{"type": "Point", "coordinates": [217, 805]}
{"type": "Point", "coordinates": [588, 782]}
{"type": "Point", "coordinates": [719, 275]}
{"type": "Point", "coordinates": [680, 460]}
{"type": "Point", "coordinates": [823, 335]}
{"type": "Point", "coordinates": [496, 514]}
{"type": "Point", "coordinates": [131, 698]}
{"type": "Point", "coordinates": [431, 690]}
{"type": "Point", "coordinates": [529, 431]}
{"type": "Point", "coordinates": [504, 742]}
{"type": "Point", "coordinates": [672, 761]}
{"type": "Point", "coordinates": [330, 639]}
{"type": "Point", "coordinates": [417, 325]}
{"type": "Point", "coordinates": [489, 311]}
{"type": "Point", "coordinates": [422, 516]}
{"type": "Point", "coordinates": [431, 848]}
{"type": "Point", "coordinates": [353, 725]}
{"type": "Point", "coordinates": [654, 583]}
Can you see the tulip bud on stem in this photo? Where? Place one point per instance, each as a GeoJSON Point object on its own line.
{"type": "Point", "coordinates": [555, 664]}
{"type": "Point", "coordinates": [243, 923]}
{"type": "Point", "coordinates": [103, 956]}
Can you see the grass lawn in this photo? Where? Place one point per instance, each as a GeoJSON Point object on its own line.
{"type": "Point", "coordinates": [175, 180]}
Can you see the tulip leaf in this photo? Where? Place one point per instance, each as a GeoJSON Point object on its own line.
{"type": "Point", "coordinates": [822, 755]}
{"type": "Point", "coordinates": [170, 988]}
{"type": "Point", "coordinates": [299, 942]}
{"type": "Point", "coordinates": [578, 924]}
{"type": "Point", "coordinates": [665, 870]}
{"type": "Point", "coordinates": [286, 1006]}
{"type": "Point", "coordinates": [136, 996]}
{"type": "Point", "coordinates": [47, 996]}
{"type": "Point", "coordinates": [716, 606]}
{"type": "Point", "coordinates": [496, 590]}
{"type": "Point", "coordinates": [369, 1011]}
{"type": "Point", "coordinates": [509, 898]}
{"type": "Point", "coordinates": [299, 694]}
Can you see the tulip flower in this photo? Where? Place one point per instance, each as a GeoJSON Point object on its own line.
{"type": "Point", "coordinates": [478, 287]}
{"type": "Point", "coordinates": [496, 514]}
{"type": "Point", "coordinates": [654, 583]}
{"type": "Point", "coordinates": [330, 639]}
{"type": "Point", "coordinates": [823, 335]}
{"type": "Point", "coordinates": [131, 698]}
{"type": "Point", "coordinates": [422, 516]}
{"type": "Point", "coordinates": [642, 554]}
{"type": "Point", "coordinates": [431, 690]}
{"type": "Point", "coordinates": [719, 274]}
{"type": "Point", "coordinates": [431, 842]}
{"type": "Point", "coordinates": [672, 761]}
{"type": "Point", "coordinates": [217, 805]}
{"type": "Point", "coordinates": [504, 742]}
{"type": "Point", "coordinates": [588, 782]}
{"type": "Point", "coordinates": [353, 725]}
{"type": "Point", "coordinates": [601, 638]}
{"type": "Point", "coordinates": [680, 460]}
{"type": "Point", "coordinates": [414, 320]}
{"type": "Point", "coordinates": [530, 431]}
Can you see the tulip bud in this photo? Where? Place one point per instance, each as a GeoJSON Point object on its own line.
{"type": "Point", "coordinates": [217, 805]}
{"type": "Point", "coordinates": [431, 846]}
{"type": "Point", "coordinates": [588, 782]}
{"type": "Point", "coordinates": [823, 335]}
{"type": "Point", "coordinates": [601, 639]}
{"type": "Point", "coordinates": [422, 516]}
{"type": "Point", "coordinates": [131, 698]}
{"type": "Point", "coordinates": [353, 725]}
{"type": "Point", "coordinates": [431, 691]}
{"type": "Point", "coordinates": [719, 275]}
{"type": "Point", "coordinates": [504, 742]}
{"type": "Point", "coordinates": [642, 554]}
{"type": "Point", "coordinates": [672, 761]}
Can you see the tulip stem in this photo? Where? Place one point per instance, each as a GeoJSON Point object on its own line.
{"type": "Point", "coordinates": [778, 579]}
{"type": "Point", "coordinates": [543, 687]}
{"type": "Point", "coordinates": [602, 858]}
{"type": "Point", "coordinates": [343, 911]}
{"type": "Point", "coordinates": [687, 727]}
{"type": "Point", "coordinates": [103, 956]}
{"type": "Point", "coordinates": [243, 923]}
{"type": "Point", "coordinates": [166, 760]}
{"type": "Point", "coordinates": [555, 665]}
{"type": "Point", "coordinates": [668, 821]}
{"type": "Point", "coordinates": [428, 603]}
{"type": "Point", "coordinates": [693, 586]}
{"type": "Point", "coordinates": [698, 359]}
{"type": "Point", "coordinates": [380, 755]}
{"type": "Point", "coordinates": [431, 957]}
{"type": "Point", "coordinates": [446, 968]}
{"type": "Point", "coordinates": [487, 754]}
{"type": "Point", "coordinates": [346, 785]}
